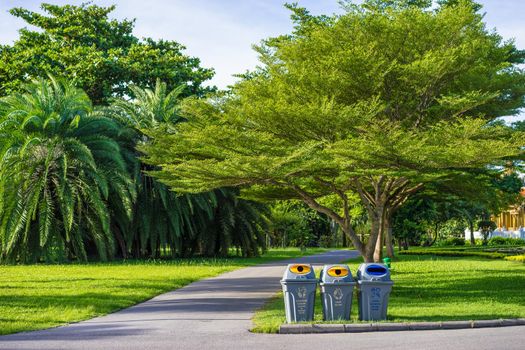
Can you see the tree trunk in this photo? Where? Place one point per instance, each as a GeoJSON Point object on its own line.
{"type": "Point", "coordinates": [384, 237]}
{"type": "Point", "coordinates": [378, 251]}
{"type": "Point", "coordinates": [388, 239]}
{"type": "Point", "coordinates": [343, 221]}
{"type": "Point", "coordinates": [382, 198]}
{"type": "Point", "coordinates": [368, 255]}
{"type": "Point", "coordinates": [121, 242]}
{"type": "Point", "coordinates": [471, 227]}
{"type": "Point", "coordinates": [374, 245]}
{"type": "Point", "coordinates": [436, 235]}
{"type": "Point", "coordinates": [357, 243]}
{"type": "Point", "coordinates": [385, 196]}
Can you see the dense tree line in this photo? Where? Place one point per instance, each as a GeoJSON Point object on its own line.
{"type": "Point", "coordinates": [72, 184]}
{"type": "Point", "coordinates": [445, 209]}
{"type": "Point", "coordinates": [78, 97]}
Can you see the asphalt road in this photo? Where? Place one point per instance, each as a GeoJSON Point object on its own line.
{"type": "Point", "coordinates": [216, 314]}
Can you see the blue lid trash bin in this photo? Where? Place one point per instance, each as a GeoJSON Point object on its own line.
{"type": "Point", "coordinates": [337, 288]}
{"type": "Point", "coordinates": [299, 285]}
{"type": "Point", "coordinates": [374, 286]}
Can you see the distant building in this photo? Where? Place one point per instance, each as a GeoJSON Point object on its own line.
{"type": "Point", "coordinates": [511, 223]}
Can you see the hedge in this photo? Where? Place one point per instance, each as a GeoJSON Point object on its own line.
{"type": "Point", "coordinates": [519, 258]}
{"type": "Point", "coordinates": [454, 253]}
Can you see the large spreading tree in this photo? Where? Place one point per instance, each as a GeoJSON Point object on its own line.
{"type": "Point", "coordinates": [377, 102]}
{"type": "Point", "coordinates": [98, 54]}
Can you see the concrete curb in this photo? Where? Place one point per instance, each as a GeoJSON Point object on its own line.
{"type": "Point", "coordinates": [393, 326]}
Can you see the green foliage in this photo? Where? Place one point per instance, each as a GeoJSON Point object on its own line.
{"type": "Point", "coordinates": [283, 136]}
{"type": "Point", "coordinates": [59, 167]}
{"type": "Point", "coordinates": [486, 227]}
{"type": "Point", "coordinates": [137, 215]}
{"type": "Point", "coordinates": [98, 54]}
{"type": "Point", "coordinates": [289, 225]}
{"type": "Point", "coordinates": [378, 101]}
{"type": "Point", "coordinates": [208, 223]}
{"type": "Point", "coordinates": [454, 242]}
{"type": "Point", "coordinates": [454, 228]}
{"type": "Point", "coordinates": [72, 184]}
{"type": "Point", "coordinates": [452, 204]}
{"type": "Point", "coordinates": [412, 221]}
{"type": "Point", "coordinates": [235, 223]}
{"type": "Point", "coordinates": [497, 241]}
{"type": "Point", "coordinates": [509, 183]}
{"type": "Point", "coordinates": [292, 223]}
{"type": "Point", "coordinates": [161, 220]}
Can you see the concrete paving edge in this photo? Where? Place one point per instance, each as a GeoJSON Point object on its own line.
{"type": "Point", "coordinates": [393, 326]}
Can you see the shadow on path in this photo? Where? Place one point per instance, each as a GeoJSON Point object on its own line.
{"type": "Point", "coordinates": [219, 305]}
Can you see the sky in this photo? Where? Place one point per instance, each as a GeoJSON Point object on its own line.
{"type": "Point", "coordinates": [221, 32]}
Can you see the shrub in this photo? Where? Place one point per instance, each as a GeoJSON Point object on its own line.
{"type": "Point", "coordinates": [477, 242]}
{"type": "Point", "coordinates": [505, 241]}
{"type": "Point", "coordinates": [455, 241]}
{"type": "Point", "coordinates": [486, 227]}
{"type": "Point", "coordinates": [497, 241]}
{"type": "Point", "coordinates": [519, 258]}
{"type": "Point", "coordinates": [454, 253]}
{"type": "Point", "coordinates": [326, 241]}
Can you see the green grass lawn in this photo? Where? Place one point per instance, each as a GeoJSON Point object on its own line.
{"type": "Point", "coordinates": [41, 296]}
{"type": "Point", "coordinates": [431, 288]}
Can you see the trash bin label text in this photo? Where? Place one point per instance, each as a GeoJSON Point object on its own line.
{"type": "Point", "coordinates": [375, 299]}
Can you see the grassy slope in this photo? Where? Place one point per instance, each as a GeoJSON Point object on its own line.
{"type": "Point", "coordinates": [436, 289]}
{"type": "Point", "coordinates": [41, 296]}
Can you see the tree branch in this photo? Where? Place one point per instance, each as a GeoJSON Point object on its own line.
{"type": "Point", "coordinates": [365, 196]}
{"type": "Point", "coordinates": [312, 203]}
{"type": "Point", "coordinates": [341, 194]}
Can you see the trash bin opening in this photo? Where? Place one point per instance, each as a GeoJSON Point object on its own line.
{"type": "Point", "coordinates": [300, 269]}
{"type": "Point", "coordinates": [338, 271]}
{"type": "Point", "coordinates": [376, 270]}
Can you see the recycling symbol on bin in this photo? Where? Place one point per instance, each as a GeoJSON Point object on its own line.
{"type": "Point", "coordinates": [301, 292]}
{"type": "Point", "coordinates": [338, 294]}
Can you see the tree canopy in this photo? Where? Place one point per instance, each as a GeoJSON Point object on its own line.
{"type": "Point", "coordinates": [72, 185]}
{"type": "Point", "coordinates": [378, 102]}
{"type": "Point", "coordinates": [59, 167]}
{"type": "Point", "coordinates": [96, 53]}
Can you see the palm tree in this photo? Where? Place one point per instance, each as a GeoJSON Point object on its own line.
{"type": "Point", "coordinates": [164, 221]}
{"type": "Point", "coordinates": [160, 217]}
{"type": "Point", "coordinates": [59, 165]}
{"type": "Point", "coordinates": [236, 223]}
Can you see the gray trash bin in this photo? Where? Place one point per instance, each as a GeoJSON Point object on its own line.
{"type": "Point", "coordinates": [337, 288]}
{"type": "Point", "coordinates": [299, 285]}
{"type": "Point", "coordinates": [374, 286]}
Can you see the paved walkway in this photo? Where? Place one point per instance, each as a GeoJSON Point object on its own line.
{"type": "Point", "coordinates": [216, 314]}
